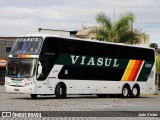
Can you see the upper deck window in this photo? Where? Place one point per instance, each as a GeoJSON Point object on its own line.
{"type": "Point", "coordinates": [27, 46]}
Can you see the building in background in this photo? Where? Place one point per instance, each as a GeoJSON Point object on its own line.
{"type": "Point", "coordinates": [64, 33]}
{"type": "Point", "coordinates": [84, 33]}
{"type": "Point", "coordinates": [6, 44]}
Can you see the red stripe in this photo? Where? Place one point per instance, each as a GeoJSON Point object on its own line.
{"type": "Point", "coordinates": [131, 76]}
{"type": "Point", "coordinates": [137, 70]}
{"type": "Point", "coordinates": [20, 56]}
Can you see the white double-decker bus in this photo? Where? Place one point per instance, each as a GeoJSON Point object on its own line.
{"type": "Point", "coordinates": [54, 65]}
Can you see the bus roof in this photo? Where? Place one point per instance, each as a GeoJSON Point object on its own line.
{"type": "Point", "coordinates": [88, 40]}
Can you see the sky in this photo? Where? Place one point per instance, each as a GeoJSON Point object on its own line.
{"type": "Point", "coordinates": [19, 17]}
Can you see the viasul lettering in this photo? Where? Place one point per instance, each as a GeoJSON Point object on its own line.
{"type": "Point", "coordinates": [92, 61]}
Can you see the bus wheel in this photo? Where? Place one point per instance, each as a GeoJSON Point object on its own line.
{"type": "Point", "coordinates": [60, 91]}
{"type": "Point", "coordinates": [34, 96]}
{"type": "Point", "coordinates": [125, 91]}
{"type": "Point", "coordinates": [135, 91]}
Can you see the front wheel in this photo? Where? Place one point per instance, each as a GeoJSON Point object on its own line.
{"type": "Point", "coordinates": [60, 91]}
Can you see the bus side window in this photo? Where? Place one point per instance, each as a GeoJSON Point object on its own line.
{"type": "Point", "coordinates": [68, 46]}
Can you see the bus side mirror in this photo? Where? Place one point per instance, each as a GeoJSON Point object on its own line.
{"type": "Point", "coordinates": [39, 70]}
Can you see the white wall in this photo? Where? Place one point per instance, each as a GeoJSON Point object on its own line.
{"type": "Point", "coordinates": [55, 32]}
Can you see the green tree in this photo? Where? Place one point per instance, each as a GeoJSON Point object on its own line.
{"type": "Point", "coordinates": [118, 31]}
{"type": "Point", "coordinates": [158, 72]}
{"type": "Point", "coordinates": [153, 45]}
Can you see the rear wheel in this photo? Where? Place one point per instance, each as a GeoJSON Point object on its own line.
{"type": "Point", "coordinates": [135, 91]}
{"type": "Point", "coordinates": [125, 92]}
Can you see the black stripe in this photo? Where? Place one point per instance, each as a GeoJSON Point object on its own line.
{"type": "Point", "coordinates": [91, 73]}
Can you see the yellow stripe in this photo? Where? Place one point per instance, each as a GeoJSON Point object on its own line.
{"type": "Point", "coordinates": [28, 56]}
{"type": "Point", "coordinates": [131, 65]}
{"type": "Point", "coordinates": [129, 70]}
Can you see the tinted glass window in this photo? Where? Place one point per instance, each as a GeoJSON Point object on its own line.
{"type": "Point", "coordinates": [68, 46]}
{"type": "Point", "coordinates": [27, 46]}
{"type": "Point", "coordinates": [48, 55]}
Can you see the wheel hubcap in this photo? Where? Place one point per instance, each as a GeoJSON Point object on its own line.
{"type": "Point", "coordinates": [125, 91]}
{"type": "Point", "coordinates": [134, 91]}
{"type": "Point", "coordinates": [60, 91]}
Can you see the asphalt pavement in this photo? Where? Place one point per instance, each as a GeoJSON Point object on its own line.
{"type": "Point", "coordinates": [78, 107]}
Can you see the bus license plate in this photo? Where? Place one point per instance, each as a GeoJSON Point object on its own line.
{"type": "Point", "coordinates": [17, 90]}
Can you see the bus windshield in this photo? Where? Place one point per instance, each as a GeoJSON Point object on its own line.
{"type": "Point", "coordinates": [21, 68]}
{"type": "Point", "coordinates": [27, 46]}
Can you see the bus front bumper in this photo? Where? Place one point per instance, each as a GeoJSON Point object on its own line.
{"type": "Point", "coordinates": [15, 89]}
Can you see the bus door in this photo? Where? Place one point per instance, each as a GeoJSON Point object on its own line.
{"type": "Point", "coordinates": [41, 87]}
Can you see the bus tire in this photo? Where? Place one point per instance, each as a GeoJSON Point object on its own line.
{"type": "Point", "coordinates": [60, 91]}
{"type": "Point", "coordinates": [135, 92]}
{"type": "Point", "coordinates": [33, 96]}
{"type": "Point", "coordinates": [125, 91]}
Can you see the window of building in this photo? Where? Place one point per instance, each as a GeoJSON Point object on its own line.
{"type": "Point", "coordinates": [8, 49]}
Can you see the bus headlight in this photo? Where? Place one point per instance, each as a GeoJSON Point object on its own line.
{"type": "Point", "coordinates": [27, 84]}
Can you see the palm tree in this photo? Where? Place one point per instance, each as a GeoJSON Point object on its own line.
{"type": "Point", "coordinates": [119, 31]}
